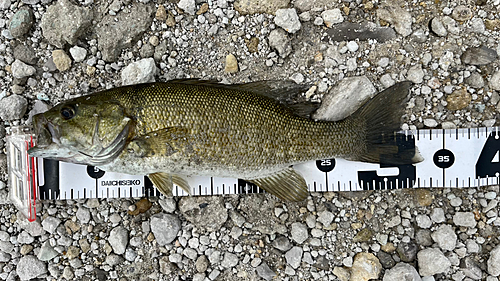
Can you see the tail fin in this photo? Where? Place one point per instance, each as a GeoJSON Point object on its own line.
{"type": "Point", "coordinates": [381, 119]}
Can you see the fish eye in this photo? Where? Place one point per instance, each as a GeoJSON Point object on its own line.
{"type": "Point", "coordinates": [68, 112]}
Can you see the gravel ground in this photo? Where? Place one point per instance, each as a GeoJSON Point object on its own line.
{"type": "Point", "coordinates": [54, 50]}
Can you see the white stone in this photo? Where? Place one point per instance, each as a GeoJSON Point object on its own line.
{"type": "Point", "coordinates": [142, 71]}
{"type": "Point", "coordinates": [188, 6]}
{"type": "Point", "coordinates": [78, 53]}
{"type": "Point", "coordinates": [345, 98]}
{"type": "Point", "coordinates": [331, 17]}
{"type": "Point", "coordinates": [288, 20]}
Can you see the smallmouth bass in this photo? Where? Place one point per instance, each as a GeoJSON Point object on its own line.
{"type": "Point", "coordinates": [192, 127]}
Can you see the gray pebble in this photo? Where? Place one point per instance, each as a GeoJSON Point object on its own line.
{"type": "Point", "coordinates": [431, 123]}
{"type": "Point", "coordinates": [423, 237]}
{"type": "Point", "coordinates": [495, 81]}
{"type": "Point", "coordinates": [294, 257]}
{"type": "Point", "coordinates": [479, 55]}
{"type": "Point", "coordinates": [475, 80]}
{"type": "Point", "coordinates": [25, 53]}
{"type": "Point", "coordinates": [168, 204]}
{"type": "Point", "coordinates": [83, 215]}
{"type": "Point", "coordinates": [230, 260]}
{"type": "Point", "coordinates": [188, 6]}
{"type": "Point", "coordinates": [398, 17]}
{"type": "Point", "coordinates": [47, 252]}
{"type": "Point", "coordinates": [494, 261]}
{"type": "Point", "coordinates": [118, 239]}
{"type": "Point", "coordinates": [21, 70]}
{"type": "Point", "coordinates": [407, 251]}
{"type": "Point", "coordinates": [288, 20]}
{"type": "Point", "coordinates": [299, 232]}
{"type": "Point", "coordinates": [265, 272]}
{"type": "Point", "coordinates": [331, 17]}
{"type": "Point", "coordinates": [416, 74]}
{"type": "Point", "coordinates": [437, 215]}
{"type": "Point", "coordinates": [423, 221]}
{"type": "Point", "coordinates": [464, 219]}
{"type": "Point", "coordinates": [278, 39]}
{"type": "Point", "coordinates": [297, 78]}
{"type": "Point", "coordinates": [5, 4]}
{"type": "Point", "coordinates": [352, 46]}
{"type": "Point", "coordinates": [214, 274]}
{"type": "Point", "coordinates": [190, 253]}
{"type": "Point", "coordinates": [402, 271]}
{"type": "Point", "coordinates": [13, 107]}
{"type": "Point", "coordinates": [78, 53]}
{"type": "Point", "coordinates": [30, 267]}
{"type": "Point", "coordinates": [142, 71]}
{"type": "Point", "coordinates": [386, 259]}
{"type": "Point", "coordinates": [432, 261]}
{"type": "Point", "coordinates": [343, 99]}
{"type": "Point", "coordinates": [318, 21]}
{"type": "Point", "coordinates": [113, 259]}
{"type": "Point", "coordinates": [445, 237]}
{"type": "Point", "coordinates": [50, 224]}
{"type": "Point", "coordinates": [455, 202]}
{"type": "Point", "coordinates": [165, 228]}
{"type": "Point", "coordinates": [282, 243]}
{"type": "Point", "coordinates": [21, 22]}
{"type": "Point", "coordinates": [438, 28]}
{"type": "Point", "coordinates": [64, 22]}
{"type": "Point", "coordinates": [118, 32]}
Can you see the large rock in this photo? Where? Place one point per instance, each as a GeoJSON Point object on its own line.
{"type": "Point", "coordinates": [118, 239]}
{"type": "Point", "coordinates": [115, 33]}
{"type": "Point", "coordinates": [494, 262]}
{"type": "Point", "coordinates": [432, 261]}
{"type": "Point", "coordinates": [64, 22]}
{"type": "Point", "coordinates": [29, 267]}
{"type": "Point", "coordinates": [13, 107]}
{"type": "Point", "coordinates": [288, 20]}
{"type": "Point", "coordinates": [445, 237]}
{"type": "Point", "coordinates": [204, 212]}
{"type": "Point", "coordinates": [402, 271]}
{"type": "Point", "coordinates": [278, 39]}
{"type": "Point", "coordinates": [141, 71]}
{"type": "Point", "coordinates": [397, 16]}
{"type": "Point", "coordinates": [479, 56]}
{"type": "Point", "coordinates": [365, 267]}
{"type": "Point", "coordinates": [260, 6]}
{"type": "Point", "coordinates": [495, 81]}
{"type": "Point", "coordinates": [20, 69]}
{"type": "Point", "coordinates": [21, 22]}
{"type": "Point", "coordinates": [165, 228]}
{"type": "Point", "coordinates": [307, 5]}
{"type": "Point", "coordinates": [345, 98]}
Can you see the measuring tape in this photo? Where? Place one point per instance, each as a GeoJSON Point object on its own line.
{"type": "Point", "coordinates": [452, 158]}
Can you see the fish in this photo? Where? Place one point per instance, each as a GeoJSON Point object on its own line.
{"type": "Point", "coordinates": [254, 131]}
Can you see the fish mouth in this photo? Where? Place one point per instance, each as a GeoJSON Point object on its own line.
{"type": "Point", "coordinates": [46, 132]}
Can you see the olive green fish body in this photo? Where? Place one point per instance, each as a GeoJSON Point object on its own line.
{"type": "Point", "coordinates": [189, 127]}
{"type": "Point", "coordinates": [203, 130]}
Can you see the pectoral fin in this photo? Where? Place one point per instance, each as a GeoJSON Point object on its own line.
{"type": "Point", "coordinates": [287, 185]}
{"type": "Point", "coordinates": [164, 142]}
{"type": "Point", "coordinates": [165, 183]}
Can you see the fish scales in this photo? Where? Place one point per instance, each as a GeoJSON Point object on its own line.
{"type": "Point", "coordinates": [236, 129]}
{"type": "Point", "coordinates": [191, 127]}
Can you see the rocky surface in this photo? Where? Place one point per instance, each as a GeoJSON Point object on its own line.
{"type": "Point", "coordinates": [344, 50]}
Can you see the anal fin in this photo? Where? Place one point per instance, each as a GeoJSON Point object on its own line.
{"type": "Point", "coordinates": [288, 185]}
{"type": "Point", "coordinates": [165, 183]}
